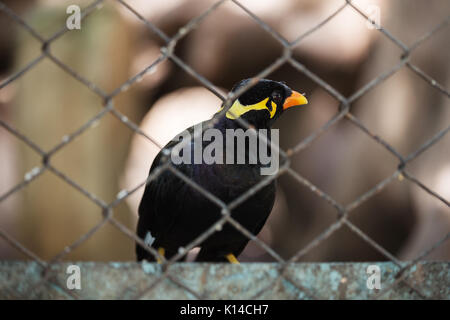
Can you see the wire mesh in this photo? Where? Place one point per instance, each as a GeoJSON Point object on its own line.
{"type": "Point", "coordinates": [167, 53]}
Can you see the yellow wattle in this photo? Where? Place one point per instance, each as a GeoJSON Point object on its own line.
{"type": "Point", "coordinates": [238, 109]}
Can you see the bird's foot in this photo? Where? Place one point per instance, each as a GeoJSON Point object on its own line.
{"type": "Point", "coordinates": [232, 259]}
{"type": "Point", "coordinates": [162, 253]}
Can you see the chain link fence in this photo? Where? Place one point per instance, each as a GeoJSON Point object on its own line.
{"type": "Point", "coordinates": [167, 53]}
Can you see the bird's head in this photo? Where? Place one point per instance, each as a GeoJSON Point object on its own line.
{"type": "Point", "coordinates": [263, 103]}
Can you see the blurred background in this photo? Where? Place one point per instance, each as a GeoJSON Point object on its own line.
{"type": "Point", "coordinates": [46, 104]}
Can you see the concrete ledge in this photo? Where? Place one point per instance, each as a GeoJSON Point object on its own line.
{"type": "Point", "coordinates": [126, 280]}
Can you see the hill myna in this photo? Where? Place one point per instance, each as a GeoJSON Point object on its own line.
{"type": "Point", "coordinates": [172, 213]}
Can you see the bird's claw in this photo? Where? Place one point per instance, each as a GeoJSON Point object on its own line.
{"type": "Point", "coordinates": [161, 252]}
{"type": "Point", "coordinates": [232, 259]}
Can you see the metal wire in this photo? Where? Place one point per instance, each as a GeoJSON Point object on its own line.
{"type": "Point", "coordinates": [167, 53]}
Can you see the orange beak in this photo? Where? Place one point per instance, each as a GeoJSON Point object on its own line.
{"type": "Point", "coordinates": [295, 99]}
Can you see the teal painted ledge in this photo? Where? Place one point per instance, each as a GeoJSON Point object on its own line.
{"type": "Point", "coordinates": [131, 280]}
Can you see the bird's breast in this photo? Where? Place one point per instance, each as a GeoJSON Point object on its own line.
{"type": "Point", "coordinates": [226, 181]}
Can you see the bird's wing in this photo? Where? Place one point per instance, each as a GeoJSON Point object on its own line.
{"type": "Point", "coordinates": [159, 207]}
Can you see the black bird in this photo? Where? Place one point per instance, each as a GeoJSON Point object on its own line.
{"type": "Point", "coordinates": [172, 213]}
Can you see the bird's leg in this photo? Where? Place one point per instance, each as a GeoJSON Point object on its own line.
{"type": "Point", "coordinates": [232, 259]}
{"type": "Point", "coordinates": [162, 253]}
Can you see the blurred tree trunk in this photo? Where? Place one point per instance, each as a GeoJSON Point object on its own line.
{"type": "Point", "coordinates": [51, 105]}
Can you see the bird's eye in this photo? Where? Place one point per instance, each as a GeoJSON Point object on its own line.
{"type": "Point", "coordinates": [276, 97]}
